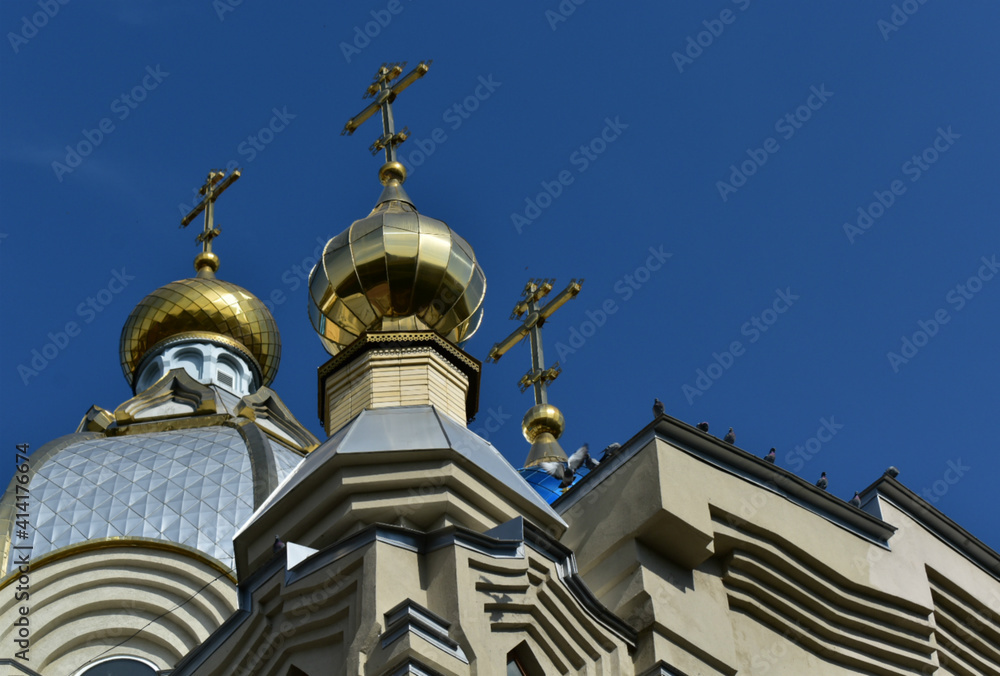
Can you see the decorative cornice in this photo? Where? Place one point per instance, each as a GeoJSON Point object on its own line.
{"type": "Point", "coordinates": [186, 422]}
{"type": "Point", "coordinates": [265, 404]}
{"type": "Point", "coordinates": [117, 542]}
{"type": "Point", "coordinates": [410, 616]}
{"type": "Point", "coordinates": [175, 385]}
{"type": "Point", "coordinates": [566, 561]}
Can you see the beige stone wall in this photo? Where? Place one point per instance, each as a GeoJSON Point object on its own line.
{"type": "Point", "coordinates": [394, 377]}
{"type": "Point", "coordinates": [722, 573]}
{"type": "Point", "coordinates": [965, 599]}
{"type": "Point", "coordinates": [717, 570]}
{"type": "Point", "coordinates": [87, 603]}
{"type": "Point", "coordinates": [333, 621]}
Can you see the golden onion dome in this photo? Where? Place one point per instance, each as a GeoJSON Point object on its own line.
{"type": "Point", "coordinates": [395, 270]}
{"type": "Point", "coordinates": [202, 308]}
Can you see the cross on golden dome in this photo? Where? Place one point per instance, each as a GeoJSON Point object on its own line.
{"type": "Point", "coordinates": [543, 424]}
{"type": "Point", "coordinates": [383, 95]}
{"type": "Point", "coordinates": [206, 263]}
{"type": "Point", "coordinates": [538, 377]}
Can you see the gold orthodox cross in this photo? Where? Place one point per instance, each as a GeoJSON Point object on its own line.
{"type": "Point", "coordinates": [538, 377]}
{"type": "Point", "coordinates": [211, 191]}
{"type": "Point", "coordinates": [383, 95]}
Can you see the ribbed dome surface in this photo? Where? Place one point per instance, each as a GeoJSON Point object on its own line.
{"type": "Point", "coordinates": [396, 269]}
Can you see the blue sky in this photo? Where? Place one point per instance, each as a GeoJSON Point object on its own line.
{"type": "Point", "coordinates": [784, 212]}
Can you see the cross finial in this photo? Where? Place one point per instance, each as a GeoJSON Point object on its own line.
{"type": "Point", "coordinates": [383, 95]}
{"type": "Point", "coordinates": [538, 377]}
{"type": "Point", "coordinates": [206, 263]}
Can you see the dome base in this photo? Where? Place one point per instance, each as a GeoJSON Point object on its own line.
{"type": "Point", "coordinates": [382, 370]}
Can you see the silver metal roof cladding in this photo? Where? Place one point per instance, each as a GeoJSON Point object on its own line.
{"type": "Point", "coordinates": [192, 487]}
{"type": "Point", "coordinates": [407, 428]}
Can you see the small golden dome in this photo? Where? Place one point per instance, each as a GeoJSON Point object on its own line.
{"type": "Point", "coordinates": [542, 418]}
{"type": "Point", "coordinates": [206, 308]}
{"type": "Point", "coordinates": [396, 269]}
{"type": "Point", "coordinates": [542, 426]}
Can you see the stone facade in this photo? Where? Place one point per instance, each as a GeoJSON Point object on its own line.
{"type": "Point", "coordinates": [412, 547]}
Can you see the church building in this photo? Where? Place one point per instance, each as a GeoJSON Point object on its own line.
{"type": "Point", "coordinates": [199, 529]}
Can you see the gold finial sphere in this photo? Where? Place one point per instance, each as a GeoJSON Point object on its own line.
{"type": "Point", "coordinates": [542, 418]}
{"type": "Point", "coordinates": [206, 259]}
{"type": "Point", "coordinates": [390, 171]}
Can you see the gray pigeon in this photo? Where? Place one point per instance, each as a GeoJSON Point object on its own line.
{"type": "Point", "coordinates": [730, 437]}
{"type": "Point", "coordinates": [823, 482]}
{"type": "Point", "coordinates": [559, 471]}
{"type": "Point", "coordinates": [892, 471]}
{"type": "Point", "coordinates": [658, 409]}
{"type": "Point", "coordinates": [278, 545]}
{"type": "Point", "coordinates": [770, 456]}
{"type": "Point", "coordinates": [703, 426]}
{"type": "Point", "coordinates": [581, 459]}
{"type": "Point", "coordinates": [611, 450]}
{"type": "Point", "coordinates": [856, 500]}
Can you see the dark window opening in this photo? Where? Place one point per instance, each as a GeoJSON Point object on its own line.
{"type": "Point", "coordinates": [123, 666]}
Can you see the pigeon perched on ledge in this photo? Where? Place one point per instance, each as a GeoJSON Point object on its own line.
{"type": "Point", "coordinates": [658, 408]}
{"type": "Point", "coordinates": [730, 437]}
{"type": "Point", "coordinates": [856, 500]}
{"type": "Point", "coordinates": [611, 450]}
{"type": "Point", "coordinates": [703, 426]}
{"type": "Point", "coordinates": [278, 545]}
{"type": "Point", "coordinates": [822, 482]}
{"type": "Point", "coordinates": [770, 456]}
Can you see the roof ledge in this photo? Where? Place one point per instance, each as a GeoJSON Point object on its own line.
{"type": "Point", "coordinates": [936, 522]}
{"type": "Point", "coordinates": [741, 463]}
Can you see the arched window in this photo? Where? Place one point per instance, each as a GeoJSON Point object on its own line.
{"type": "Point", "coordinates": [227, 374]}
{"type": "Point", "coordinates": [192, 361]}
{"type": "Point", "coordinates": [150, 374]}
{"type": "Point", "coordinates": [120, 666]}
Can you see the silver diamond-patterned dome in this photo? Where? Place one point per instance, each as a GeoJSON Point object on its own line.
{"type": "Point", "coordinates": [396, 270]}
{"type": "Point", "coordinates": [192, 487]}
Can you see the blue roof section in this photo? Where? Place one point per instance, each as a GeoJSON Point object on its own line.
{"type": "Point", "coordinates": [547, 485]}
